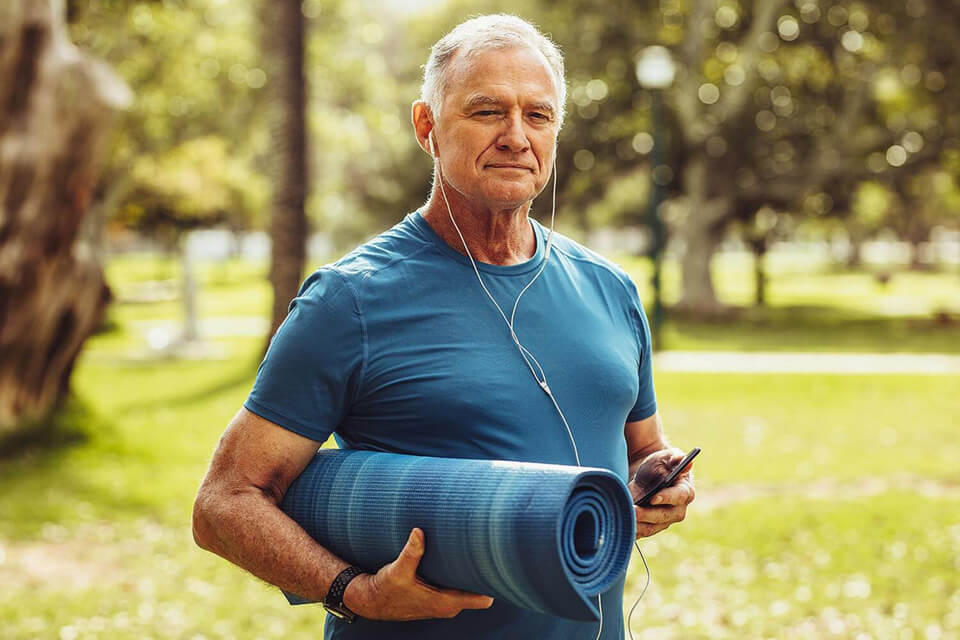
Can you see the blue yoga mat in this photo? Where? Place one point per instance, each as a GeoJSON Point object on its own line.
{"type": "Point", "coordinates": [544, 537]}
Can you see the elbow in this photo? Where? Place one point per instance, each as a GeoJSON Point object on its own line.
{"type": "Point", "coordinates": [203, 534]}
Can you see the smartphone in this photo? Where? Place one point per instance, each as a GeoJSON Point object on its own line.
{"type": "Point", "coordinates": [667, 479]}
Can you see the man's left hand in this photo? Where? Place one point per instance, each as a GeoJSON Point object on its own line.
{"type": "Point", "coordinates": [668, 505]}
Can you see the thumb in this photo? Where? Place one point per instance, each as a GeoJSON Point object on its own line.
{"type": "Point", "coordinates": [409, 558]}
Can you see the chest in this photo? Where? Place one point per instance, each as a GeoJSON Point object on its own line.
{"type": "Point", "coordinates": [444, 377]}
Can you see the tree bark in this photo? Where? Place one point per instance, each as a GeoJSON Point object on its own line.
{"type": "Point", "coordinates": [55, 107]}
{"type": "Point", "coordinates": [759, 247]}
{"type": "Point", "coordinates": [699, 296]}
{"type": "Point", "coordinates": [283, 43]}
{"type": "Point", "coordinates": [855, 256]}
{"type": "Point", "coordinates": [188, 287]}
{"type": "Point", "coordinates": [700, 229]}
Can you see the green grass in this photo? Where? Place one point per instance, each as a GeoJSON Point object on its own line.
{"type": "Point", "coordinates": [811, 307]}
{"type": "Point", "coordinates": [880, 567]}
{"type": "Point", "coordinates": [789, 428]}
{"type": "Point", "coordinates": [95, 537]}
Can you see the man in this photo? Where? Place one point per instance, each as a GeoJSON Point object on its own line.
{"type": "Point", "coordinates": [404, 345]}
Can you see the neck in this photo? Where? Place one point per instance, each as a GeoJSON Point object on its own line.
{"type": "Point", "coordinates": [494, 236]}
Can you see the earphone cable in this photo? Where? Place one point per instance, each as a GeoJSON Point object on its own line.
{"type": "Point", "coordinates": [640, 597]}
{"type": "Point", "coordinates": [525, 353]}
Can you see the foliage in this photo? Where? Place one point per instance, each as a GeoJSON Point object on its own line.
{"type": "Point", "coordinates": [195, 184]}
{"type": "Point", "coordinates": [792, 117]}
{"type": "Point", "coordinates": [192, 132]}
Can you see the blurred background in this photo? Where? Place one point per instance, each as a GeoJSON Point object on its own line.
{"type": "Point", "coordinates": [781, 178]}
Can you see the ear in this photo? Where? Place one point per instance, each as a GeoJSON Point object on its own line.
{"type": "Point", "coordinates": [422, 124]}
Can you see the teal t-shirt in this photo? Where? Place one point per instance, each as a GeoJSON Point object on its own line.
{"type": "Point", "coordinates": [395, 347]}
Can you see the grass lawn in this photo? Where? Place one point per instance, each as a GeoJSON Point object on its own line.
{"type": "Point", "coordinates": [828, 506]}
{"type": "Point", "coordinates": [813, 308]}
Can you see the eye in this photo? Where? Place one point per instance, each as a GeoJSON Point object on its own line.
{"type": "Point", "coordinates": [536, 115]}
{"type": "Point", "coordinates": [486, 112]}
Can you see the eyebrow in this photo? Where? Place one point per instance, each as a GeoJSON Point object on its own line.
{"type": "Point", "coordinates": [480, 100]}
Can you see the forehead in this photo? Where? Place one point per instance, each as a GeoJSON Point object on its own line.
{"type": "Point", "coordinates": [516, 73]}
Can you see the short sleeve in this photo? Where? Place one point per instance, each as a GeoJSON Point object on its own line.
{"type": "Point", "coordinates": [646, 404]}
{"type": "Point", "coordinates": [314, 363]}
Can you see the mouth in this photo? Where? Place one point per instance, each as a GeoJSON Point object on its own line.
{"type": "Point", "coordinates": [504, 165]}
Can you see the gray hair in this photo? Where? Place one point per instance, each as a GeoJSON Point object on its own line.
{"type": "Point", "coordinates": [483, 33]}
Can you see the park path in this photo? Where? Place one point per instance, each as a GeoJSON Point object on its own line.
{"type": "Point", "coordinates": [793, 362]}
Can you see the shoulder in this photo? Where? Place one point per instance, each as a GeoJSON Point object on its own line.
{"type": "Point", "coordinates": [347, 277]}
{"type": "Point", "coordinates": [582, 258]}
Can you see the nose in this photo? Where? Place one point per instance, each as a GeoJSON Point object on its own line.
{"type": "Point", "coordinates": [513, 138]}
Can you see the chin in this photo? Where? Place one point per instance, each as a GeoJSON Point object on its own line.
{"type": "Point", "coordinates": [508, 198]}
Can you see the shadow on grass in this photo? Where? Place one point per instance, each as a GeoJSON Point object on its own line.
{"type": "Point", "coordinates": [69, 426]}
{"type": "Point", "coordinates": [242, 376]}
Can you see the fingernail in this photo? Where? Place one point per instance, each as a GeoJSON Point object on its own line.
{"type": "Point", "coordinates": [657, 500]}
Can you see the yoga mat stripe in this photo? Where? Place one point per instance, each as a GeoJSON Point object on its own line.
{"type": "Point", "coordinates": [544, 537]}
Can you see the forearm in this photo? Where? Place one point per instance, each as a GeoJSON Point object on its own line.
{"type": "Point", "coordinates": [248, 529]}
{"type": "Point", "coordinates": [643, 438]}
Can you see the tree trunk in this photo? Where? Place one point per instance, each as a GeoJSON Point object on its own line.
{"type": "Point", "coordinates": [55, 106]}
{"type": "Point", "coordinates": [759, 246]}
{"type": "Point", "coordinates": [283, 43]}
{"type": "Point", "coordinates": [855, 257]}
{"type": "Point", "coordinates": [701, 234]}
{"type": "Point", "coordinates": [699, 296]}
{"type": "Point", "coordinates": [188, 284]}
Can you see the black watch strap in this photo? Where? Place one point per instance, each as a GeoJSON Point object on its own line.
{"type": "Point", "coordinates": [333, 602]}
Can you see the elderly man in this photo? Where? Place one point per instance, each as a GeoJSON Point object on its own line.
{"type": "Point", "coordinates": [418, 342]}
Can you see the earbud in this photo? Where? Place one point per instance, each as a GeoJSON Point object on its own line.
{"type": "Point", "coordinates": [433, 147]}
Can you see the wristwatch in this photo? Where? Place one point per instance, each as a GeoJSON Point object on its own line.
{"type": "Point", "coordinates": [333, 602]}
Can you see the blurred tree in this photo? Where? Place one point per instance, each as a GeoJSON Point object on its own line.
{"type": "Point", "coordinates": [283, 27]}
{"type": "Point", "coordinates": [194, 68]}
{"type": "Point", "coordinates": [781, 104]}
{"type": "Point", "coordinates": [55, 106]}
{"type": "Point", "coordinates": [925, 198]}
{"type": "Point", "coordinates": [785, 105]}
{"type": "Point", "coordinates": [869, 211]}
{"type": "Point", "coordinates": [194, 185]}
{"type": "Point", "coordinates": [760, 226]}
{"type": "Point", "coordinates": [363, 70]}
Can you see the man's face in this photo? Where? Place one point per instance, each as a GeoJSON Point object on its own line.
{"type": "Point", "coordinates": [497, 127]}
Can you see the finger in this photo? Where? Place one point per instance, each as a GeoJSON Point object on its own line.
{"type": "Point", "coordinates": [409, 559]}
{"type": "Point", "coordinates": [676, 455]}
{"type": "Point", "coordinates": [678, 494]}
{"type": "Point", "coordinates": [647, 530]}
{"type": "Point", "coordinates": [661, 515]}
{"type": "Point", "coordinates": [653, 516]}
{"type": "Point", "coordinates": [467, 600]}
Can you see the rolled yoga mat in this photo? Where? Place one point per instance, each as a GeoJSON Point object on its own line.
{"type": "Point", "coordinates": [544, 537]}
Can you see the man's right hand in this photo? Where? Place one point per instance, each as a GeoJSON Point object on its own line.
{"type": "Point", "coordinates": [397, 593]}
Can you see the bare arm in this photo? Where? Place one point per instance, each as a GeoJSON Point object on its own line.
{"type": "Point", "coordinates": [646, 443]}
{"type": "Point", "coordinates": [237, 516]}
{"type": "Point", "coordinates": [643, 438]}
